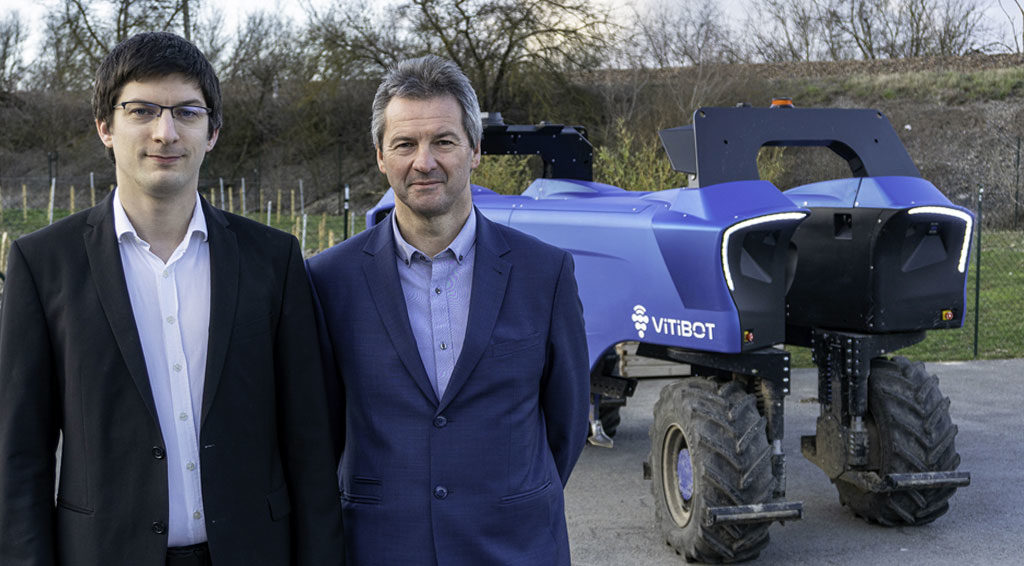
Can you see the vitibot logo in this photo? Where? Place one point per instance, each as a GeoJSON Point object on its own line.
{"type": "Point", "coordinates": [640, 319]}
{"type": "Point", "coordinates": [665, 326]}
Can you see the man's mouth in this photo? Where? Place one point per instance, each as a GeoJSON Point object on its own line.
{"type": "Point", "coordinates": [159, 158]}
{"type": "Point", "coordinates": [426, 183]}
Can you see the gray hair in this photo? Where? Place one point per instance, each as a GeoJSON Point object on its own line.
{"type": "Point", "coordinates": [424, 78]}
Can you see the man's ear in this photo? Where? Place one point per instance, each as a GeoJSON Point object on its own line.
{"type": "Point", "coordinates": [105, 133]}
{"type": "Point", "coordinates": [380, 161]}
{"type": "Point", "coordinates": [213, 139]}
{"type": "Point", "coordinates": [476, 156]}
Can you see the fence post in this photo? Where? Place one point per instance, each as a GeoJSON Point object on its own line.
{"type": "Point", "coordinates": [1016, 186]}
{"type": "Point", "coordinates": [49, 208]}
{"type": "Point", "coordinates": [344, 236]}
{"type": "Point", "coordinates": [304, 234]}
{"type": "Point", "coordinates": [977, 275]}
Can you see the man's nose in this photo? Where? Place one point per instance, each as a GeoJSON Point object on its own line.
{"type": "Point", "coordinates": [424, 161]}
{"type": "Point", "coordinates": [164, 128]}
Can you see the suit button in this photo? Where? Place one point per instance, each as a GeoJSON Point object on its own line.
{"type": "Point", "coordinates": [158, 453]}
{"type": "Point", "coordinates": [440, 492]}
{"type": "Point", "coordinates": [159, 527]}
{"type": "Point", "coordinates": [440, 421]}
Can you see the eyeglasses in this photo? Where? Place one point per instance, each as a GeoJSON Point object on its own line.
{"type": "Point", "coordinates": [138, 112]}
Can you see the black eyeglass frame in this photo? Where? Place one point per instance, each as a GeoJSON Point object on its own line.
{"type": "Point", "coordinates": [124, 106]}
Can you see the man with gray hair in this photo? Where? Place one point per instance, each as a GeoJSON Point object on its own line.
{"type": "Point", "coordinates": [459, 376]}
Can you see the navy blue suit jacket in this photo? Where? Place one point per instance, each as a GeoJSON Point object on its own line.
{"type": "Point", "coordinates": [475, 477]}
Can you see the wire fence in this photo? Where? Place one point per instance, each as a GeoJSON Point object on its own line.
{"type": "Point", "coordinates": [30, 203]}
{"type": "Point", "coordinates": [993, 328]}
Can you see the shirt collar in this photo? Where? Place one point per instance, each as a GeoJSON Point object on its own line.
{"type": "Point", "coordinates": [460, 246]}
{"type": "Point", "coordinates": [123, 226]}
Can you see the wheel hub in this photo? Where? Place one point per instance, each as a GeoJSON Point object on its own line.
{"type": "Point", "coordinates": [677, 475]}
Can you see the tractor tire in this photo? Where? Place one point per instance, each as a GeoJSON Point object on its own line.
{"type": "Point", "coordinates": [709, 449]}
{"type": "Point", "coordinates": [610, 418]}
{"type": "Point", "coordinates": [909, 430]}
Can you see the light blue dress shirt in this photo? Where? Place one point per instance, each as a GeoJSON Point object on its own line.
{"type": "Point", "coordinates": [437, 292]}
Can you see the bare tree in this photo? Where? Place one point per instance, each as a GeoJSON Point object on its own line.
{"type": "Point", "coordinates": [207, 33]}
{"type": "Point", "coordinates": [12, 39]}
{"type": "Point", "coordinates": [801, 30]}
{"type": "Point", "coordinates": [94, 26]}
{"type": "Point", "coordinates": [1016, 34]}
{"type": "Point", "coordinates": [491, 40]}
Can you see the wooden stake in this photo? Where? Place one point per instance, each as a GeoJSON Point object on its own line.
{"type": "Point", "coordinates": [24, 203]}
{"type": "Point", "coordinates": [49, 206]}
{"type": "Point", "coordinates": [293, 203]}
{"type": "Point", "coordinates": [231, 200]}
{"type": "Point", "coordinates": [71, 200]}
{"type": "Point", "coordinates": [3, 251]}
{"type": "Point", "coordinates": [321, 231]}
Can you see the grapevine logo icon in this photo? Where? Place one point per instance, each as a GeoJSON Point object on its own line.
{"type": "Point", "coordinates": [640, 319]}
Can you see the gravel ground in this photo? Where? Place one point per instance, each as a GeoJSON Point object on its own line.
{"type": "Point", "coordinates": [610, 508]}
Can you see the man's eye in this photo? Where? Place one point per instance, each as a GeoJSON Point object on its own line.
{"type": "Point", "coordinates": [186, 113]}
{"type": "Point", "coordinates": [141, 111]}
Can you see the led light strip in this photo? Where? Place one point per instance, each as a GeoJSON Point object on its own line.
{"type": "Point", "coordinates": [747, 224]}
{"type": "Point", "coordinates": [955, 214]}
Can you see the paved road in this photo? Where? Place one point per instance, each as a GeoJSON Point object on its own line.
{"type": "Point", "coordinates": [611, 519]}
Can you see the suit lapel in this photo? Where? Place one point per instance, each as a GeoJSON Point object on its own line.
{"type": "Point", "coordinates": [381, 272]}
{"type": "Point", "coordinates": [224, 265]}
{"type": "Point", "coordinates": [108, 275]}
{"type": "Point", "coordinates": [490, 278]}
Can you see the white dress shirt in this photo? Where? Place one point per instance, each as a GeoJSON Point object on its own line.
{"type": "Point", "coordinates": [171, 304]}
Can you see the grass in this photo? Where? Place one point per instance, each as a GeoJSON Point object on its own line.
{"type": "Point", "coordinates": [949, 87]}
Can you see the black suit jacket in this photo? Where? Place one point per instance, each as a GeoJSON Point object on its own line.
{"type": "Point", "coordinates": [71, 362]}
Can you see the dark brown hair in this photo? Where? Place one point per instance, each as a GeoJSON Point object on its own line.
{"type": "Point", "coordinates": [151, 55]}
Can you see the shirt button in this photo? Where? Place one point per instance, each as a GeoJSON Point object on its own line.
{"type": "Point", "coordinates": [190, 466]}
{"type": "Point", "coordinates": [444, 346]}
{"type": "Point", "coordinates": [440, 421]}
{"type": "Point", "coordinates": [158, 453]}
{"type": "Point", "coordinates": [183, 416]}
{"type": "Point", "coordinates": [166, 274]}
{"type": "Point", "coordinates": [170, 320]}
{"type": "Point", "coordinates": [158, 527]}
{"type": "Point", "coordinates": [177, 367]}
{"type": "Point", "coordinates": [440, 492]}
{"type": "Point", "coordinates": [197, 515]}
{"type": "Point", "coordinates": [437, 290]}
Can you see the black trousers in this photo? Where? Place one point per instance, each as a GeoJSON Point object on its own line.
{"type": "Point", "coordinates": [194, 555]}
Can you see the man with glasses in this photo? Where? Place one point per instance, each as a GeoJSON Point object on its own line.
{"type": "Point", "coordinates": [171, 347]}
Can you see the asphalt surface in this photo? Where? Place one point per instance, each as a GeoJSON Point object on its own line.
{"type": "Point", "coordinates": [610, 508]}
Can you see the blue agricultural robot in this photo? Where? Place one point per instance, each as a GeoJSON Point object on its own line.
{"type": "Point", "coordinates": [708, 282]}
